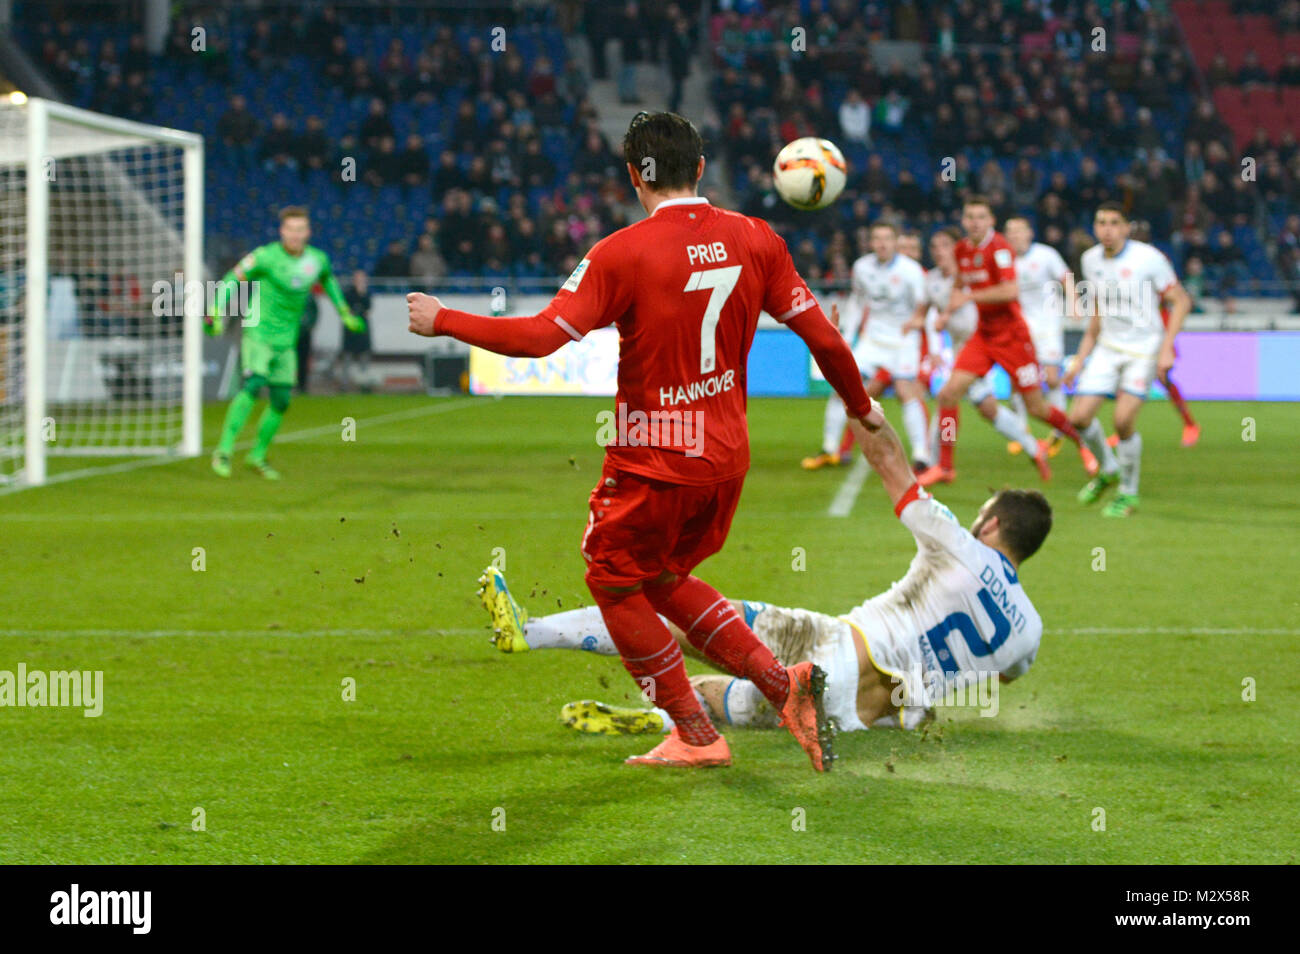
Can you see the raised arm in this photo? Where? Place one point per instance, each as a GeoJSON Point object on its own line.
{"type": "Point", "coordinates": [837, 363]}
{"type": "Point", "coordinates": [526, 336]}
{"type": "Point", "coordinates": [885, 454]}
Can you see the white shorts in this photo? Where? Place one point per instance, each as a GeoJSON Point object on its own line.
{"type": "Point", "coordinates": [1109, 371]}
{"type": "Point", "coordinates": [799, 635]}
{"type": "Point", "coordinates": [902, 361]}
{"type": "Point", "coordinates": [981, 389]}
{"type": "Point", "coordinates": [1049, 341]}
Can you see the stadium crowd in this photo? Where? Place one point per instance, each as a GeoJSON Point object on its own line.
{"type": "Point", "coordinates": [1010, 101]}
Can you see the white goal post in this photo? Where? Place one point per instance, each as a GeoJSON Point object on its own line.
{"type": "Point", "coordinates": [101, 289]}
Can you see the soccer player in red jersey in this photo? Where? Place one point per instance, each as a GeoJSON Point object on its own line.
{"type": "Point", "coordinates": [987, 276]}
{"type": "Point", "coordinates": [685, 287]}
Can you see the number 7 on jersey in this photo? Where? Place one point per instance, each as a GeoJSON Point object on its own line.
{"type": "Point", "coordinates": [721, 281]}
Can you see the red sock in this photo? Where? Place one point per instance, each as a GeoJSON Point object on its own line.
{"type": "Point", "coordinates": [1056, 417]}
{"type": "Point", "coordinates": [947, 436]}
{"type": "Point", "coordinates": [654, 660]}
{"type": "Point", "coordinates": [713, 626]}
{"type": "Point", "coordinates": [846, 442]}
{"type": "Point", "coordinates": [1176, 397]}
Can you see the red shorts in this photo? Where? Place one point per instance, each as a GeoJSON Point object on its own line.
{"type": "Point", "coordinates": [638, 526]}
{"type": "Point", "coordinates": [1010, 347]}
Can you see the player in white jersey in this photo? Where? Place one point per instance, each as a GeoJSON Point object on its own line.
{"type": "Point", "coordinates": [960, 326]}
{"type": "Point", "coordinates": [957, 617]}
{"type": "Point", "coordinates": [1126, 345]}
{"type": "Point", "coordinates": [909, 244]}
{"type": "Point", "coordinates": [889, 288]}
{"type": "Point", "coordinates": [1042, 277]}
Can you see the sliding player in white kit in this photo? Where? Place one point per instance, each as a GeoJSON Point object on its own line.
{"type": "Point", "coordinates": [890, 289]}
{"type": "Point", "coordinates": [1042, 277]}
{"type": "Point", "coordinates": [960, 326]}
{"type": "Point", "coordinates": [1125, 347]}
{"type": "Point", "coordinates": [957, 617]}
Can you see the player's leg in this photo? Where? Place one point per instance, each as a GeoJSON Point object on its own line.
{"type": "Point", "coordinates": [241, 406]}
{"type": "Point", "coordinates": [1056, 398]}
{"type": "Point", "coordinates": [1128, 452]}
{"type": "Point", "coordinates": [965, 373]}
{"type": "Point", "coordinates": [715, 627]}
{"type": "Point", "coordinates": [633, 526]}
{"type": "Point", "coordinates": [281, 377]}
{"type": "Point", "coordinates": [1191, 430]}
{"type": "Point", "coordinates": [915, 421]}
{"type": "Point", "coordinates": [1003, 419]}
{"type": "Point", "coordinates": [267, 427]}
{"type": "Point", "coordinates": [734, 701]}
{"type": "Point", "coordinates": [1100, 378]}
{"type": "Point", "coordinates": [255, 362]}
{"type": "Point", "coordinates": [1027, 379]}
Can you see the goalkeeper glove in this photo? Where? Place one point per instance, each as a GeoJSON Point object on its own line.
{"type": "Point", "coordinates": [212, 325]}
{"type": "Point", "coordinates": [352, 322]}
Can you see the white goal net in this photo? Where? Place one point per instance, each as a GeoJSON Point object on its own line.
{"type": "Point", "coordinates": [101, 228]}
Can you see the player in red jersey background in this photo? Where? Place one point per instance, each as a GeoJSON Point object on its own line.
{"type": "Point", "coordinates": [987, 276]}
{"type": "Point", "coordinates": [685, 287]}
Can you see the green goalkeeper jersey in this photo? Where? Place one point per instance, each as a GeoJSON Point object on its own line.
{"type": "Point", "coordinates": [282, 283]}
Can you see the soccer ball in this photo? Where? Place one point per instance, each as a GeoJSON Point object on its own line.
{"type": "Point", "coordinates": [809, 173]}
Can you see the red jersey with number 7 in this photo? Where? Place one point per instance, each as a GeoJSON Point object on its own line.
{"type": "Point", "coordinates": [684, 287]}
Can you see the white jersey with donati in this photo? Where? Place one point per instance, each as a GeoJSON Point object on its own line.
{"type": "Point", "coordinates": [959, 614]}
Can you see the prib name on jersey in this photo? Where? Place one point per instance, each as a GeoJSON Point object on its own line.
{"type": "Point", "coordinates": [713, 253]}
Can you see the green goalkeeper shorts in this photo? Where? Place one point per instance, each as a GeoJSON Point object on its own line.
{"type": "Point", "coordinates": [279, 366]}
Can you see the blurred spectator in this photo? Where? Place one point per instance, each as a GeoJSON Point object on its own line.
{"type": "Point", "coordinates": [353, 368]}
{"type": "Point", "coordinates": [376, 125]}
{"type": "Point", "coordinates": [1227, 270]}
{"type": "Point", "coordinates": [992, 178]}
{"type": "Point", "coordinates": [630, 29]}
{"type": "Point", "coordinates": [306, 328]}
{"type": "Point", "coordinates": [1193, 279]}
{"type": "Point", "coordinates": [890, 113]}
{"type": "Point", "coordinates": [337, 61]}
{"type": "Point", "coordinates": [238, 130]}
{"type": "Point", "coordinates": [427, 264]}
{"type": "Point", "coordinates": [679, 61]}
{"type": "Point", "coordinates": [1026, 186]}
{"type": "Point", "coordinates": [413, 162]}
{"type": "Point", "coordinates": [395, 262]}
{"type": "Point", "coordinates": [384, 167]}
{"type": "Point", "coordinates": [279, 145]}
{"type": "Point", "coordinates": [1251, 72]}
{"type": "Point", "coordinates": [446, 177]}
{"type": "Point", "coordinates": [1288, 258]}
{"type": "Point", "coordinates": [314, 145]}
{"type": "Point", "coordinates": [1289, 74]}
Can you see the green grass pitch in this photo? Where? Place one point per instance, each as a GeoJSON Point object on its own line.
{"type": "Point", "coordinates": [224, 688]}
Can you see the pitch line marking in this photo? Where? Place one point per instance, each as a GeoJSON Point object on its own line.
{"type": "Point", "coordinates": [847, 495]}
{"type": "Point", "coordinates": [286, 438]}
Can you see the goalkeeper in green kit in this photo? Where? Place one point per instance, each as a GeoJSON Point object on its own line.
{"type": "Point", "coordinates": [282, 274]}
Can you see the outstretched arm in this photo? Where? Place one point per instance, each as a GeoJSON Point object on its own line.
{"type": "Point", "coordinates": [528, 336]}
{"type": "Point", "coordinates": [836, 361]}
{"type": "Point", "coordinates": [334, 293]}
{"type": "Point", "coordinates": [885, 454]}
